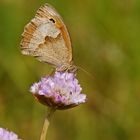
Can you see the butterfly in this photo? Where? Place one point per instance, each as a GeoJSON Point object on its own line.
{"type": "Point", "coordinates": [46, 38]}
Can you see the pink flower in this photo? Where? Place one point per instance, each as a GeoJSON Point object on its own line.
{"type": "Point", "coordinates": [6, 135]}
{"type": "Point", "coordinates": [61, 91]}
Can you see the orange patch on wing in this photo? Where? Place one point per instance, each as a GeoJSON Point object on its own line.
{"type": "Point", "coordinates": [28, 34]}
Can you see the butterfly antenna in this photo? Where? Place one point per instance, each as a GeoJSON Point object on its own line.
{"type": "Point", "coordinates": [89, 74]}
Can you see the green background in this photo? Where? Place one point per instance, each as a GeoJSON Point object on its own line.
{"type": "Point", "coordinates": [106, 43]}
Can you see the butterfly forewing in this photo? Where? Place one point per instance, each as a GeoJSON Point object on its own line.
{"type": "Point", "coordinates": [47, 38]}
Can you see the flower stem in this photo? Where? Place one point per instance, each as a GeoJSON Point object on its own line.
{"type": "Point", "coordinates": [46, 123]}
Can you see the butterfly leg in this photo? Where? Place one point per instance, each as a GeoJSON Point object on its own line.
{"type": "Point", "coordinates": [52, 72]}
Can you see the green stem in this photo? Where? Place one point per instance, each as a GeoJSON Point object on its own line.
{"type": "Point", "coordinates": [46, 123]}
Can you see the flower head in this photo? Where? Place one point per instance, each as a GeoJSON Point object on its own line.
{"type": "Point", "coordinates": [6, 135]}
{"type": "Point", "coordinates": [60, 91]}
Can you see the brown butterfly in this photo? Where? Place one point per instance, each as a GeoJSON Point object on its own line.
{"type": "Point", "coordinates": [46, 38]}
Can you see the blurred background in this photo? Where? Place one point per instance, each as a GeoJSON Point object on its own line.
{"type": "Point", "coordinates": [106, 43]}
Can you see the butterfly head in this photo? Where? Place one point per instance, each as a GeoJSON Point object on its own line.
{"type": "Point", "coordinates": [67, 67]}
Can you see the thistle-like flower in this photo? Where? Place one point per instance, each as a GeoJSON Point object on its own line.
{"type": "Point", "coordinates": [6, 135]}
{"type": "Point", "coordinates": [61, 91]}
